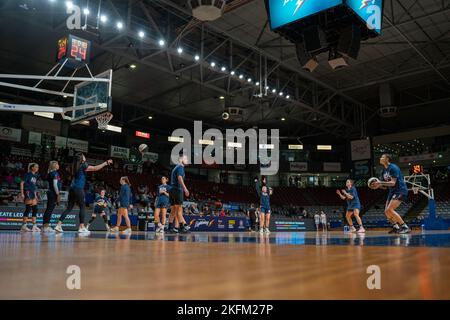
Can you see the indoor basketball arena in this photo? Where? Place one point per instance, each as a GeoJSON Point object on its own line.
{"type": "Point", "coordinates": [225, 150]}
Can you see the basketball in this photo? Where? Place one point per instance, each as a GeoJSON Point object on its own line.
{"type": "Point", "coordinates": [371, 182]}
{"type": "Point", "coordinates": [143, 147]}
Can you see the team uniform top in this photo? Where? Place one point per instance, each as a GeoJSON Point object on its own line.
{"type": "Point", "coordinates": [317, 218]}
{"type": "Point", "coordinates": [125, 196]}
{"type": "Point", "coordinates": [177, 171]}
{"type": "Point", "coordinates": [162, 199]}
{"type": "Point", "coordinates": [29, 184]}
{"type": "Point", "coordinates": [54, 175]}
{"type": "Point", "coordinates": [264, 197]}
{"type": "Point", "coordinates": [100, 204]}
{"type": "Point", "coordinates": [80, 177]}
{"type": "Point", "coordinates": [353, 203]}
{"type": "Point", "coordinates": [399, 190]}
{"type": "Point", "coordinates": [323, 218]}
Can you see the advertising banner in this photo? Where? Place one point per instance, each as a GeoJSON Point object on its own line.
{"type": "Point", "coordinates": [199, 223]}
{"type": "Point", "coordinates": [332, 166]}
{"type": "Point", "coordinates": [34, 137]}
{"type": "Point", "coordinates": [299, 166]}
{"type": "Point", "coordinates": [361, 149]}
{"type": "Point", "coordinates": [119, 152]}
{"type": "Point", "coordinates": [10, 134]}
{"type": "Point", "coordinates": [11, 219]}
{"type": "Point", "coordinates": [78, 145]}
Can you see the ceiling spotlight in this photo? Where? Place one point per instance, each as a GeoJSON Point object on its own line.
{"type": "Point", "coordinates": [141, 34]}
{"type": "Point", "coordinates": [283, 119]}
{"type": "Point", "coordinates": [197, 57]}
{"type": "Point", "coordinates": [213, 64]}
{"type": "Point", "coordinates": [223, 69]}
{"type": "Point", "coordinates": [119, 25]}
{"type": "Point", "coordinates": [103, 18]}
{"type": "Point", "coordinates": [64, 96]}
{"type": "Point", "coordinates": [132, 66]}
{"type": "Point", "coordinates": [150, 117]}
{"type": "Point", "coordinates": [180, 50]}
{"type": "Point", "coordinates": [232, 73]}
{"type": "Point", "coordinates": [249, 80]}
{"type": "Point", "coordinates": [288, 96]}
{"type": "Point", "coordinates": [274, 90]}
{"type": "Point", "coordinates": [221, 97]}
{"type": "Point", "coordinates": [257, 83]}
{"type": "Point", "coordinates": [241, 76]}
{"type": "Point", "coordinates": [267, 88]}
{"type": "Point", "coordinates": [281, 94]}
{"type": "Point", "coordinates": [162, 43]}
{"type": "Point", "coordinates": [86, 11]}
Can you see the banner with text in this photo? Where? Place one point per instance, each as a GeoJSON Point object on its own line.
{"type": "Point", "coordinates": [332, 166]}
{"type": "Point", "coordinates": [150, 157]}
{"type": "Point", "coordinates": [361, 149]}
{"type": "Point", "coordinates": [10, 134]}
{"type": "Point", "coordinates": [34, 137]}
{"type": "Point", "coordinates": [119, 152]}
{"type": "Point", "coordinates": [78, 145]}
{"type": "Point", "coordinates": [298, 166]}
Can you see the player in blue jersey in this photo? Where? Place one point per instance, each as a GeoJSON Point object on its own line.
{"type": "Point", "coordinates": [177, 192]}
{"type": "Point", "coordinates": [30, 196]}
{"type": "Point", "coordinates": [350, 194]}
{"type": "Point", "coordinates": [162, 203]}
{"type": "Point", "coordinates": [100, 205]}
{"type": "Point", "coordinates": [126, 202]}
{"type": "Point", "coordinates": [76, 193]}
{"type": "Point", "coordinates": [264, 193]}
{"type": "Point", "coordinates": [392, 179]}
{"type": "Point", "coordinates": [53, 194]}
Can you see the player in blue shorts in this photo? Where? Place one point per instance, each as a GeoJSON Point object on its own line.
{"type": "Point", "coordinates": [161, 204]}
{"type": "Point", "coordinates": [392, 179]}
{"type": "Point", "coordinates": [353, 205]}
{"type": "Point", "coordinates": [177, 192]}
{"type": "Point", "coordinates": [263, 192]}
{"type": "Point", "coordinates": [100, 205]}
{"type": "Point", "coordinates": [29, 194]}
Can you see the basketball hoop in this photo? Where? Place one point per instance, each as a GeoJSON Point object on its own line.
{"type": "Point", "coordinates": [103, 120]}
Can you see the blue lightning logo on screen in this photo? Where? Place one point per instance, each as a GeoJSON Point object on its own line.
{"type": "Point", "coordinates": [299, 5]}
{"type": "Point", "coordinates": [286, 11]}
{"type": "Point", "coordinates": [365, 3]}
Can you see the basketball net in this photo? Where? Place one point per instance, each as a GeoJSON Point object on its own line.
{"type": "Point", "coordinates": [103, 120]}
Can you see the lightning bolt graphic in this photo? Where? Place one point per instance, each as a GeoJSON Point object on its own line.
{"type": "Point", "coordinates": [365, 3]}
{"type": "Point", "coordinates": [299, 5]}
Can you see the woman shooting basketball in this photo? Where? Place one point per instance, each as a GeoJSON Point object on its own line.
{"type": "Point", "coordinates": [353, 205]}
{"type": "Point", "coordinates": [393, 180]}
{"type": "Point", "coordinates": [76, 192]}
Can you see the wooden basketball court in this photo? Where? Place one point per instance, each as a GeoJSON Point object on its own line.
{"type": "Point", "coordinates": [225, 266]}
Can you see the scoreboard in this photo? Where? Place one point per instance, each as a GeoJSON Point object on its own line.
{"type": "Point", "coordinates": [75, 50]}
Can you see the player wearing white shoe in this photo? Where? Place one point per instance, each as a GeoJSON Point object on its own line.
{"type": "Point", "coordinates": [76, 193]}
{"type": "Point", "coordinates": [264, 193]}
{"type": "Point", "coordinates": [353, 205]}
{"type": "Point", "coordinates": [28, 190]}
{"type": "Point", "coordinates": [161, 204]}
